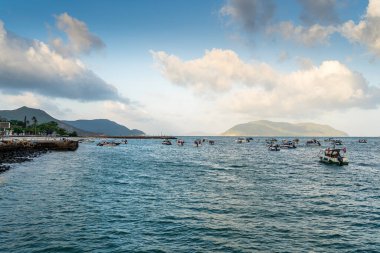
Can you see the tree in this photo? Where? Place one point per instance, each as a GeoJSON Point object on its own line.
{"type": "Point", "coordinates": [73, 134]}
{"type": "Point", "coordinates": [34, 120]}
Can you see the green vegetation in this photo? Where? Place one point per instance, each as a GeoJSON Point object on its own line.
{"type": "Point", "coordinates": [48, 128]}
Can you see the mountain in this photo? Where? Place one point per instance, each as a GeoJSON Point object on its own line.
{"type": "Point", "coordinates": [269, 128]}
{"type": "Point", "coordinates": [41, 116]}
{"type": "Point", "coordinates": [104, 126]}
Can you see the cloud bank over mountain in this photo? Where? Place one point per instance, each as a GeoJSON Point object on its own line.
{"type": "Point", "coordinates": [258, 89]}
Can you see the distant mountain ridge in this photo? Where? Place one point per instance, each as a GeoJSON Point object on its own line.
{"type": "Point", "coordinates": [104, 127]}
{"type": "Point", "coordinates": [82, 127]}
{"type": "Point", "coordinates": [41, 116]}
{"type": "Point", "coordinates": [270, 128]}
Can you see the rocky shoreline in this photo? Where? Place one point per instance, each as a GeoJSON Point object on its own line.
{"type": "Point", "coordinates": [17, 156]}
{"type": "Point", "coordinates": [23, 151]}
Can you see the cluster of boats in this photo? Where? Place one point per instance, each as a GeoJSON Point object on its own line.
{"type": "Point", "coordinates": [197, 142]}
{"type": "Point", "coordinates": [330, 155]}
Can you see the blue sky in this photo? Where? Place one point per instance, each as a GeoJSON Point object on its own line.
{"type": "Point", "coordinates": [183, 67]}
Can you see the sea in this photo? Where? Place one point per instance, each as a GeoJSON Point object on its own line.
{"type": "Point", "coordinates": [147, 197]}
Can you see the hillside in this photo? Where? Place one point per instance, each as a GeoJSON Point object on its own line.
{"type": "Point", "coordinates": [269, 128]}
{"type": "Point", "coordinates": [41, 116]}
{"type": "Point", "coordinates": [104, 126]}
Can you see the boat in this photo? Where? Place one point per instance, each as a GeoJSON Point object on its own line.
{"type": "Point", "coordinates": [271, 141]}
{"type": "Point", "coordinates": [334, 156]}
{"type": "Point", "coordinates": [274, 147]}
{"type": "Point", "coordinates": [125, 141]}
{"type": "Point", "coordinates": [166, 142]}
{"type": "Point", "coordinates": [180, 142]}
{"type": "Point", "coordinates": [288, 145]}
{"type": "Point", "coordinates": [242, 140]}
{"type": "Point", "coordinates": [108, 143]}
{"type": "Point", "coordinates": [197, 143]}
{"type": "Point", "coordinates": [211, 142]}
{"type": "Point", "coordinates": [362, 141]}
{"type": "Point", "coordinates": [313, 143]}
{"type": "Point", "coordinates": [336, 142]}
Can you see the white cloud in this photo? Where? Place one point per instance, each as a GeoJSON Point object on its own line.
{"type": "Point", "coordinates": [32, 66]}
{"type": "Point", "coordinates": [317, 14]}
{"type": "Point", "coordinates": [258, 89]}
{"type": "Point", "coordinates": [217, 70]}
{"type": "Point", "coordinates": [367, 31]}
{"type": "Point", "coordinates": [309, 36]}
{"type": "Point", "coordinates": [80, 40]}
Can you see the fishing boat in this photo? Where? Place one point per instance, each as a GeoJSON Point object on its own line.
{"type": "Point", "coordinates": [362, 141]}
{"type": "Point", "coordinates": [271, 141]}
{"type": "Point", "coordinates": [180, 142]}
{"type": "Point", "coordinates": [287, 145]}
{"type": "Point", "coordinates": [313, 143]}
{"type": "Point", "coordinates": [166, 142]}
{"type": "Point", "coordinates": [242, 140]}
{"type": "Point", "coordinates": [334, 156]}
{"type": "Point", "coordinates": [275, 147]}
{"type": "Point", "coordinates": [108, 144]}
{"type": "Point", "coordinates": [336, 142]}
{"type": "Point", "coordinates": [197, 143]}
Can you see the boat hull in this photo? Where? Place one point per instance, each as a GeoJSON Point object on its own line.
{"type": "Point", "coordinates": [330, 160]}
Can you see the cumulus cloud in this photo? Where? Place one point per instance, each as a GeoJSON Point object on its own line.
{"type": "Point", "coordinates": [80, 40]}
{"type": "Point", "coordinates": [250, 14]}
{"type": "Point", "coordinates": [367, 31]}
{"type": "Point", "coordinates": [321, 12]}
{"type": "Point", "coordinates": [257, 88]}
{"type": "Point", "coordinates": [308, 36]}
{"type": "Point", "coordinates": [320, 18]}
{"type": "Point", "coordinates": [217, 70]}
{"type": "Point", "coordinates": [32, 66]}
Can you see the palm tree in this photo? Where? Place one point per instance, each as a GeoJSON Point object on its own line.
{"type": "Point", "coordinates": [34, 119]}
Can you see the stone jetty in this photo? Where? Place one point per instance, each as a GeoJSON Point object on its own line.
{"type": "Point", "coordinates": [16, 151]}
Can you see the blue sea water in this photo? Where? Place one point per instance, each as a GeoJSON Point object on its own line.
{"type": "Point", "coordinates": [147, 197]}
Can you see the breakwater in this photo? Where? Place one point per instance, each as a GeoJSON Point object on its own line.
{"type": "Point", "coordinates": [16, 151]}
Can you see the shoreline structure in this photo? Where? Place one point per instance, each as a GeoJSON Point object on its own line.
{"type": "Point", "coordinates": [17, 151]}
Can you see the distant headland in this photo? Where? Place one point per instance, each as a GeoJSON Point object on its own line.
{"type": "Point", "coordinates": [270, 128]}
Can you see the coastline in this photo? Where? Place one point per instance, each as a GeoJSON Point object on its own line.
{"type": "Point", "coordinates": [18, 151]}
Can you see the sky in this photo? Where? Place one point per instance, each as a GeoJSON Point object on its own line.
{"type": "Point", "coordinates": [194, 67]}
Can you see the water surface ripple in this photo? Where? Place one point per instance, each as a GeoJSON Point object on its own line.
{"type": "Point", "coordinates": [147, 197]}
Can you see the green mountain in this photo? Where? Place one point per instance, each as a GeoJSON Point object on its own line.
{"type": "Point", "coordinates": [41, 116]}
{"type": "Point", "coordinates": [269, 128]}
{"type": "Point", "coordinates": [104, 127]}
{"type": "Point", "coordinates": [82, 127]}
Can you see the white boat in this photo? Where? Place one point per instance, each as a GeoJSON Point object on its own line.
{"type": "Point", "coordinates": [288, 145]}
{"type": "Point", "coordinates": [274, 147]}
{"type": "Point", "coordinates": [313, 143]}
{"type": "Point", "coordinates": [197, 143]}
{"type": "Point", "coordinates": [362, 141]}
{"type": "Point", "coordinates": [108, 144]}
{"type": "Point", "coordinates": [166, 142]}
{"type": "Point", "coordinates": [242, 140]}
{"type": "Point", "coordinates": [334, 156]}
